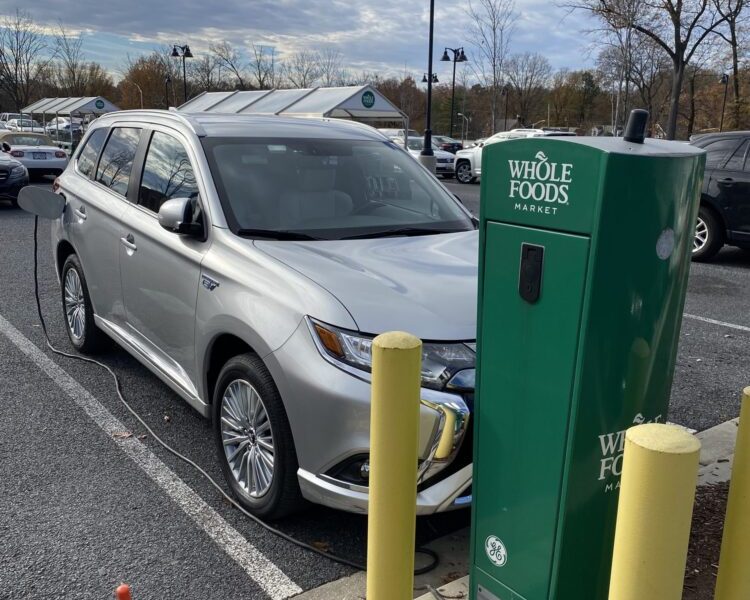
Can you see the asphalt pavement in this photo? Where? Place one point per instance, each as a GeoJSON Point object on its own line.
{"type": "Point", "coordinates": [84, 506]}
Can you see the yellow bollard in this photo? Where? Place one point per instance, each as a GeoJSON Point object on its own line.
{"type": "Point", "coordinates": [394, 436]}
{"type": "Point", "coordinates": [657, 492]}
{"type": "Point", "coordinates": [733, 582]}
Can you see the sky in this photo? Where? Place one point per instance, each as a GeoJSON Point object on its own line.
{"type": "Point", "coordinates": [387, 36]}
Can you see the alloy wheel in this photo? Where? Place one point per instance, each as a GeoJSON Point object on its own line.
{"type": "Point", "coordinates": [701, 235]}
{"type": "Point", "coordinates": [247, 438]}
{"type": "Point", "coordinates": [463, 173]}
{"type": "Point", "coordinates": [75, 305]}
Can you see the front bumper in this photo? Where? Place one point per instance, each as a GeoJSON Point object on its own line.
{"type": "Point", "coordinates": [329, 414]}
{"type": "Point", "coordinates": [445, 167]}
{"type": "Point", "coordinates": [9, 188]}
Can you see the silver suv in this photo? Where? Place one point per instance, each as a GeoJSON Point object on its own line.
{"type": "Point", "coordinates": [248, 262]}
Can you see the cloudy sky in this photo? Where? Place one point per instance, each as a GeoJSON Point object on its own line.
{"type": "Point", "coordinates": [386, 36]}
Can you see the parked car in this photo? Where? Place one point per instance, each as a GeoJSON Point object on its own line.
{"type": "Point", "coordinates": [5, 117]}
{"type": "Point", "coordinates": [724, 213]}
{"type": "Point", "coordinates": [448, 144]}
{"type": "Point", "coordinates": [391, 133]}
{"type": "Point", "coordinates": [13, 176]}
{"type": "Point", "coordinates": [24, 125]}
{"type": "Point", "coordinates": [249, 261]}
{"type": "Point", "coordinates": [469, 160]}
{"type": "Point", "coordinates": [63, 124]}
{"type": "Point", "coordinates": [35, 151]}
{"type": "Point", "coordinates": [444, 161]}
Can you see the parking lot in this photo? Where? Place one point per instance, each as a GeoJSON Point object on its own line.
{"type": "Point", "coordinates": [89, 501]}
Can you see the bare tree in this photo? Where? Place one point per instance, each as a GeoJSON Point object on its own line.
{"type": "Point", "coordinates": [490, 31]}
{"type": "Point", "coordinates": [227, 56]}
{"type": "Point", "coordinates": [731, 10]}
{"type": "Point", "coordinates": [528, 73]}
{"type": "Point", "coordinates": [22, 56]}
{"type": "Point", "coordinates": [263, 66]}
{"type": "Point", "coordinates": [71, 68]}
{"type": "Point", "coordinates": [678, 26]}
{"type": "Point", "coordinates": [330, 66]}
{"type": "Point", "coordinates": [206, 72]}
{"type": "Point", "coordinates": [302, 68]}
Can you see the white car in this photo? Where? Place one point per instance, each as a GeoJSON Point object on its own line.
{"type": "Point", "coordinates": [24, 125]}
{"type": "Point", "coordinates": [446, 162]}
{"type": "Point", "coordinates": [469, 160]}
{"type": "Point", "coordinates": [34, 151]}
{"type": "Point", "coordinates": [63, 124]}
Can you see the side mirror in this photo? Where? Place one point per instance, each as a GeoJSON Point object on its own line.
{"type": "Point", "coordinates": [6, 147]}
{"type": "Point", "coordinates": [176, 215]}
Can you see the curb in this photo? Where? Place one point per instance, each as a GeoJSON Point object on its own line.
{"type": "Point", "coordinates": [717, 452]}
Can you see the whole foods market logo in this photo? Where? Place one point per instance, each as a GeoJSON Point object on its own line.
{"type": "Point", "coordinates": [539, 186]}
{"type": "Point", "coordinates": [99, 104]}
{"type": "Point", "coordinates": [368, 99]}
{"type": "Point", "coordinates": [612, 446]}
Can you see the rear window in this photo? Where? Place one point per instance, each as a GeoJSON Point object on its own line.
{"type": "Point", "coordinates": [90, 152]}
{"type": "Point", "coordinates": [29, 139]}
{"type": "Point", "coordinates": [116, 160]}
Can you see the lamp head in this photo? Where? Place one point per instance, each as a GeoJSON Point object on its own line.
{"type": "Point", "coordinates": [445, 58]}
{"type": "Point", "coordinates": [462, 56]}
{"type": "Point", "coordinates": [186, 53]}
{"type": "Point", "coordinates": [175, 54]}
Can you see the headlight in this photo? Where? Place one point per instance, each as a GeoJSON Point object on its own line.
{"type": "Point", "coordinates": [439, 361]}
{"type": "Point", "coordinates": [19, 170]}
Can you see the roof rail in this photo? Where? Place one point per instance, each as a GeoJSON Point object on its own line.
{"type": "Point", "coordinates": [172, 113]}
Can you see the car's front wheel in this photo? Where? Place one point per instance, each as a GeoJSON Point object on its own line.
{"type": "Point", "coordinates": [78, 311]}
{"type": "Point", "coordinates": [254, 440]}
{"type": "Point", "coordinates": [463, 172]}
{"type": "Point", "coordinates": [709, 237]}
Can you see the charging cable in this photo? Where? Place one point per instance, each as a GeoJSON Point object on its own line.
{"type": "Point", "coordinates": [434, 559]}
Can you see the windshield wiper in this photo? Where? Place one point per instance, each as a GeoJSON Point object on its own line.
{"type": "Point", "coordinates": [407, 231]}
{"type": "Point", "coordinates": [275, 234]}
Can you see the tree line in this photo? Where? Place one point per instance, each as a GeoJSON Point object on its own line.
{"type": "Point", "coordinates": [683, 60]}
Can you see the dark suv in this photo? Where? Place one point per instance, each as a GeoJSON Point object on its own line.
{"type": "Point", "coordinates": [724, 216]}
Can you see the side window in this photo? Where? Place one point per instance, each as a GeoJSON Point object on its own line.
{"type": "Point", "coordinates": [117, 159]}
{"type": "Point", "coordinates": [717, 152]}
{"type": "Point", "coordinates": [90, 151]}
{"type": "Point", "coordinates": [738, 158]}
{"type": "Point", "coordinates": [167, 173]}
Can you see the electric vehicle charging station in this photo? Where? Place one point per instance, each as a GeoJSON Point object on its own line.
{"type": "Point", "coordinates": [585, 250]}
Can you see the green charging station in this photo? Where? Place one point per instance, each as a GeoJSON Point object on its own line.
{"type": "Point", "coordinates": [585, 251]}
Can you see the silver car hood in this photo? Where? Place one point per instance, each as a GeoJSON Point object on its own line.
{"type": "Point", "coordinates": [426, 285]}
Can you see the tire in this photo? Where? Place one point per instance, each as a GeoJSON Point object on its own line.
{"type": "Point", "coordinates": [463, 172]}
{"type": "Point", "coordinates": [244, 380]}
{"type": "Point", "coordinates": [709, 236]}
{"type": "Point", "coordinates": [78, 311]}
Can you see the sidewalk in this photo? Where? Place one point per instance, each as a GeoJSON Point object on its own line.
{"type": "Point", "coordinates": [717, 452]}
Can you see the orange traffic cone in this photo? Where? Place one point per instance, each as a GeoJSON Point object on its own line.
{"type": "Point", "coordinates": [123, 592]}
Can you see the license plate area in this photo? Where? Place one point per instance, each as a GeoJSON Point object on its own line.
{"type": "Point", "coordinates": [39, 155]}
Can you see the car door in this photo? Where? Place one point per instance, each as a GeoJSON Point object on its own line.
{"type": "Point", "coordinates": [96, 193]}
{"type": "Point", "coordinates": [160, 269]}
{"type": "Point", "coordinates": [729, 188]}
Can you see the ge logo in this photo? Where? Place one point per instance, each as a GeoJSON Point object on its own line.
{"type": "Point", "coordinates": [496, 551]}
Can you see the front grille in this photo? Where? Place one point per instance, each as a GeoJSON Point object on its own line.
{"type": "Point", "coordinates": [445, 160]}
{"type": "Point", "coordinates": [4, 173]}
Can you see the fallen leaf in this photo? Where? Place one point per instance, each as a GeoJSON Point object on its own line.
{"type": "Point", "coordinates": [167, 418]}
{"type": "Point", "coordinates": [122, 435]}
{"type": "Point", "coordinates": [323, 546]}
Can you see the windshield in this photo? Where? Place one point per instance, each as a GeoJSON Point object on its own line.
{"type": "Point", "coordinates": [418, 144]}
{"type": "Point", "coordinates": [30, 140]}
{"type": "Point", "coordinates": [328, 189]}
{"type": "Point", "coordinates": [27, 123]}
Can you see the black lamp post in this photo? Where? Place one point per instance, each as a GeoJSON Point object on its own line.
{"type": "Point", "coordinates": [182, 52]}
{"type": "Point", "coordinates": [427, 155]}
{"type": "Point", "coordinates": [458, 56]}
{"type": "Point", "coordinates": [725, 81]}
{"type": "Point", "coordinates": [505, 92]}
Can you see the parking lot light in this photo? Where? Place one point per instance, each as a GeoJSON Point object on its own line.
{"type": "Point", "coordinates": [458, 56]}
{"type": "Point", "coordinates": [183, 52]}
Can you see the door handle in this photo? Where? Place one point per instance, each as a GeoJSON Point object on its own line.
{"type": "Point", "coordinates": [726, 181]}
{"type": "Point", "coordinates": [129, 242]}
{"type": "Point", "coordinates": [80, 212]}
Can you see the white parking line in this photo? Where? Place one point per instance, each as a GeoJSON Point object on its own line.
{"type": "Point", "coordinates": [715, 322]}
{"type": "Point", "coordinates": [261, 570]}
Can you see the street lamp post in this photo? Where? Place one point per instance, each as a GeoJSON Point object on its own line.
{"type": "Point", "coordinates": [725, 81]}
{"type": "Point", "coordinates": [140, 91]}
{"type": "Point", "coordinates": [426, 156]}
{"type": "Point", "coordinates": [182, 52]}
{"type": "Point", "coordinates": [458, 56]}
{"type": "Point", "coordinates": [167, 81]}
{"type": "Point", "coordinates": [464, 121]}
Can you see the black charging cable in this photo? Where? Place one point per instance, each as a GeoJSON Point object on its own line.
{"type": "Point", "coordinates": [434, 558]}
